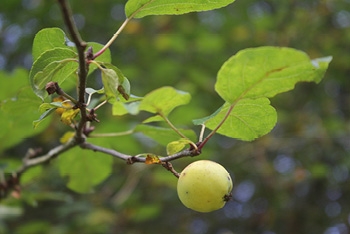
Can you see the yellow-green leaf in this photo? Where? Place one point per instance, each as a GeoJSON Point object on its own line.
{"type": "Point", "coordinates": [176, 146]}
{"type": "Point", "coordinates": [47, 39]}
{"type": "Point", "coordinates": [265, 72]}
{"type": "Point", "coordinates": [57, 64]}
{"type": "Point", "coordinates": [143, 8]}
{"type": "Point", "coordinates": [164, 100]}
{"type": "Point", "coordinates": [110, 82]}
{"type": "Point", "coordinates": [68, 116]}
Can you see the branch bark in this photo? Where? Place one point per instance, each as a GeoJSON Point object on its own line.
{"type": "Point", "coordinates": [12, 181]}
{"type": "Point", "coordinates": [135, 159]}
{"type": "Point", "coordinates": [30, 162]}
{"type": "Point", "coordinates": [83, 66]}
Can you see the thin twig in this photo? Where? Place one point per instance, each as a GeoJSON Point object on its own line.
{"type": "Point", "coordinates": [101, 104]}
{"type": "Point", "coordinates": [126, 21]}
{"type": "Point", "coordinates": [60, 92]}
{"type": "Point", "coordinates": [110, 42]}
{"type": "Point", "coordinates": [172, 126]}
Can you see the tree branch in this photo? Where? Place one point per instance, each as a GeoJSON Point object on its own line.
{"type": "Point", "coordinates": [11, 182]}
{"type": "Point", "coordinates": [127, 20]}
{"type": "Point", "coordinates": [83, 67]}
{"type": "Point", "coordinates": [134, 159]}
{"type": "Point", "coordinates": [32, 159]}
{"type": "Point", "coordinates": [109, 43]}
{"type": "Point", "coordinates": [30, 162]}
{"type": "Point", "coordinates": [111, 152]}
{"type": "Point", "coordinates": [169, 167]}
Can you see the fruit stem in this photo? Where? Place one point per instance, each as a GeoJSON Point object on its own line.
{"type": "Point", "coordinates": [169, 167]}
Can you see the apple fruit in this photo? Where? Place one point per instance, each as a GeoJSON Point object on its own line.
{"type": "Point", "coordinates": [204, 186]}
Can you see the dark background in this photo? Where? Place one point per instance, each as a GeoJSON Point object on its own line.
{"type": "Point", "coordinates": [293, 180]}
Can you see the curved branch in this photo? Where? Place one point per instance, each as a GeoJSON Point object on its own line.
{"type": "Point", "coordinates": [30, 162]}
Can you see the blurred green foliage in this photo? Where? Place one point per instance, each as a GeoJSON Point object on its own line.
{"type": "Point", "coordinates": [293, 180]}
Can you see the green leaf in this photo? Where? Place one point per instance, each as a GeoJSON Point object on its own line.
{"type": "Point", "coordinates": [155, 118]}
{"type": "Point", "coordinates": [249, 78]}
{"type": "Point", "coordinates": [47, 39]}
{"type": "Point", "coordinates": [119, 108]}
{"type": "Point", "coordinates": [176, 146]}
{"type": "Point", "coordinates": [164, 100]}
{"type": "Point", "coordinates": [46, 109]}
{"type": "Point", "coordinates": [110, 82]}
{"type": "Point", "coordinates": [205, 119]}
{"type": "Point", "coordinates": [249, 119]}
{"type": "Point", "coordinates": [14, 81]}
{"type": "Point", "coordinates": [119, 73]}
{"type": "Point", "coordinates": [25, 101]}
{"type": "Point", "coordinates": [46, 106]}
{"type": "Point", "coordinates": [130, 106]}
{"type": "Point", "coordinates": [265, 72]}
{"type": "Point", "coordinates": [321, 65]}
{"type": "Point", "coordinates": [91, 91]}
{"type": "Point", "coordinates": [44, 115]}
{"type": "Point", "coordinates": [163, 135]}
{"type": "Point", "coordinates": [114, 82]}
{"type": "Point", "coordinates": [53, 65]}
{"type": "Point", "coordinates": [141, 8]}
{"type": "Point", "coordinates": [31, 174]}
{"type": "Point", "coordinates": [9, 164]}
{"type": "Point", "coordinates": [84, 169]}
{"type": "Point", "coordinates": [17, 113]}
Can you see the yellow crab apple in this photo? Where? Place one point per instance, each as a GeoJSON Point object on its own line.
{"type": "Point", "coordinates": [204, 186]}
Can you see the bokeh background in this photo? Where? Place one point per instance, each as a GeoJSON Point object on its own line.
{"type": "Point", "coordinates": [293, 180]}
